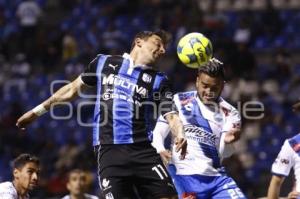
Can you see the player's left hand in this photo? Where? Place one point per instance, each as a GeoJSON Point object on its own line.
{"type": "Point", "coordinates": [293, 195]}
{"type": "Point", "coordinates": [166, 156]}
{"type": "Point", "coordinates": [181, 145]}
{"type": "Point", "coordinates": [232, 135]}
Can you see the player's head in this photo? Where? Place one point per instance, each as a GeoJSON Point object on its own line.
{"type": "Point", "coordinates": [210, 81]}
{"type": "Point", "coordinates": [26, 169]}
{"type": "Point", "coordinates": [76, 182]}
{"type": "Point", "coordinates": [152, 45]}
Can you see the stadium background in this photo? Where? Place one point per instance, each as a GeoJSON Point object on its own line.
{"type": "Point", "coordinates": [258, 40]}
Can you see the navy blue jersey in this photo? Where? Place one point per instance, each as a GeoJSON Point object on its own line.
{"type": "Point", "coordinates": [129, 99]}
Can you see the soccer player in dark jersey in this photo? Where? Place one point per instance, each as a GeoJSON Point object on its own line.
{"type": "Point", "coordinates": [130, 94]}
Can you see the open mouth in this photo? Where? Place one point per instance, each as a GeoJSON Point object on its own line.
{"type": "Point", "coordinates": [208, 97]}
{"type": "Point", "coordinates": [33, 184]}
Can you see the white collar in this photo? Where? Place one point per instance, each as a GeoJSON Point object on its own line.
{"type": "Point", "coordinates": [127, 56]}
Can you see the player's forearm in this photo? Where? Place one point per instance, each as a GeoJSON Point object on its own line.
{"type": "Point", "coordinates": [274, 188]}
{"type": "Point", "coordinates": [64, 94]}
{"type": "Point", "coordinates": [273, 193]}
{"type": "Point", "coordinates": [175, 125]}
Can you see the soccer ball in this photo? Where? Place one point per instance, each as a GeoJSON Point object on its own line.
{"type": "Point", "coordinates": [194, 50]}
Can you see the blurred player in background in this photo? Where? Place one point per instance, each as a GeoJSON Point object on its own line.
{"type": "Point", "coordinates": [129, 92]}
{"type": "Point", "coordinates": [288, 157]}
{"type": "Point", "coordinates": [26, 170]}
{"type": "Point", "coordinates": [77, 184]}
{"type": "Point", "coordinates": [211, 126]}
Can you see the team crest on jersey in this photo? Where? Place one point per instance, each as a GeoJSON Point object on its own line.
{"type": "Point", "coordinates": [186, 101]}
{"type": "Point", "coordinates": [105, 184]}
{"type": "Point", "coordinates": [146, 78]}
{"type": "Point", "coordinates": [109, 196]}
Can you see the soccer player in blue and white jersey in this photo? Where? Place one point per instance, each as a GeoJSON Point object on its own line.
{"type": "Point", "coordinates": [288, 158]}
{"type": "Point", "coordinates": [26, 169]}
{"type": "Point", "coordinates": [211, 126]}
{"type": "Point", "coordinates": [129, 93]}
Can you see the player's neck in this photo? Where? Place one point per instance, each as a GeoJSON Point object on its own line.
{"type": "Point", "coordinates": [138, 58]}
{"type": "Point", "coordinates": [22, 192]}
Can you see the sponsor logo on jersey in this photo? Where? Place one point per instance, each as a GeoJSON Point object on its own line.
{"type": "Point", "coordinates": [113, 66]}
{"type": "Point", "coordinates": [146, 78]}
{"type": "Point", "coordinates": [116, 80]}
{"type": "Point", "coordinates": [200, 135]}
{"type": "Point", "coordinates": [284, 161]}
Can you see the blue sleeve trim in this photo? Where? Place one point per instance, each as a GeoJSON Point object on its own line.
{"type": "Point", "coordinates": [278, 174]}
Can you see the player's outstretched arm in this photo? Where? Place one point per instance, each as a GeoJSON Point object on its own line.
{"type": "Point", "coordinates": [177, 130]}
{"type": "Point", "coordinates": [64, 94]}
{"type": "Point", "coordinates": [274, 187]}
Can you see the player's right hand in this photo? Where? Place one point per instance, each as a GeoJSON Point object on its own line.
{"type": "Point", "coordinates": [26, 119]}
{"type": "Point", "coordinates": [293, 195]}
{"type": "Point", "coordinates": [181, 145]}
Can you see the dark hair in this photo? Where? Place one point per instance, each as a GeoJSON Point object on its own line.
{"type": "Point", "coordinates": [213, 68]}
{"type": "Point", "coordinates": [164, 35]}
{"type": "Point", "coordinates": [23, 159]}
{"type": "Point", "coordinates": [74, 171]}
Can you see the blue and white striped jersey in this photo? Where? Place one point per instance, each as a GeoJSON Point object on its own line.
{"type": "Point", "coordinates": [128, 99]}
{"type": "Point", "coordinates": [289, 157]}
{"type": "Point", "coordinates": [205, 128]}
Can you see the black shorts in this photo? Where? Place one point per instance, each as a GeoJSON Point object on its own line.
{"type": "Point", "coordinates": [130, 168]}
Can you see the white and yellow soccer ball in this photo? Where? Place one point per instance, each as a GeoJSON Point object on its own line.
{"type": "Point", "coordinates": [194, 50]}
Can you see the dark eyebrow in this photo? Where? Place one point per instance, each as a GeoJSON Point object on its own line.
{"type": "Point", "coordinates": [158, 39]}
{"type": "Point", "coordinates": [206, 84]}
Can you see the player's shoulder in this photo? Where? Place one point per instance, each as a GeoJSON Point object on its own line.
{"type": "Point", "coordinates": [159, 74]}
{"type": "Point", "coordinates": [161, 120]}
{"type": "Point", "coordinates": [227, 108]}
{"type": "Point", "coordinates": [224, 104]}
{"type": "Point", "coordinates": [6, 185]}
{"type": "Point", "coordinates": [98, 56]}
{"type": "Point", "coordinates": [186, 95]}
{"type": "Point", "coordinates": [7, 188]}
{"type": "Point", "coordinates": [293, 143]}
